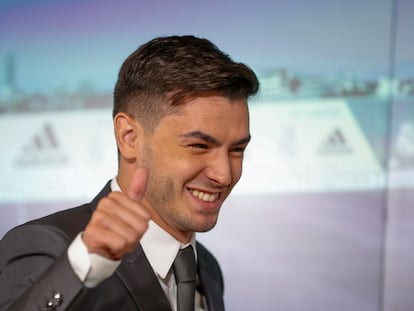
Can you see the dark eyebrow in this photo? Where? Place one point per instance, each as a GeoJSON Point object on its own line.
{"type": "Point", "coordinates": [210, 139]}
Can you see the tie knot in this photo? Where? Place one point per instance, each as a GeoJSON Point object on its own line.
{"type": "Point", "coordinates": [184, 265]}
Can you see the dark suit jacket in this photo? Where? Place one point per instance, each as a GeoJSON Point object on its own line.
{"type": "Point", "coordinates": [35, 271]}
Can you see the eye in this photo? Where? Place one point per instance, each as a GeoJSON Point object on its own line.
{"type": "Point", "coordinates": [238, 149]}
{"type": "Point", "coordinates": [198, 146]}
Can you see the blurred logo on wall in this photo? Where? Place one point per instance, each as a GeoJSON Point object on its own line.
{"type": "Point", "coordinates": [335, 143]}
{"type": "Point", "coordinates": [41, 149]}
{"type": "Point", "coordinates": [56, 156]}
{"type": "Point", "coordinates": [308, 145]}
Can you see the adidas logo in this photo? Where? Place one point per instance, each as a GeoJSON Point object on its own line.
{"type": "Point", "coordinates": [41, 150]}
{"type": "Point", "coordinates": [335, 143]}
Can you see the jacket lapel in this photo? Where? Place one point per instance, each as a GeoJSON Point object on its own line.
{"type": "Point", "coordinates": [211, 282]}
{"type": "Point", "coordinates": [142, 283]}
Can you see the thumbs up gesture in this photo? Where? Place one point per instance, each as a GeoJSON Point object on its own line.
{"type": "Point", "coordinates": [119, 221]}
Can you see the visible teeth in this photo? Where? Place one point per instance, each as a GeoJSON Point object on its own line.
{"type": "Point", "coordinates": [204, 196]}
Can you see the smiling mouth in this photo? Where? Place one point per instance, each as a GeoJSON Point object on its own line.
{"type": "Point", "coordinates": [204, 196]}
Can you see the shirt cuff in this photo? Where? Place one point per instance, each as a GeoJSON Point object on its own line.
{"type": "Point", "coordinates": [91, 269]}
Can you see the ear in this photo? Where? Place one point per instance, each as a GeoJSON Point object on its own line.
{"type": "Point", "coordinates": [128, 132]}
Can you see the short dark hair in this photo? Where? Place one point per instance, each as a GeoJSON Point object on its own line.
{"type": "Point", "coordinates": [167, 71]}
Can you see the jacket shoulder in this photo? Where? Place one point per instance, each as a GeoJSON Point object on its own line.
{"type": "Point", "coordinates": [33, 263]}
{"type": "Point", "coordinates": [71, 221]}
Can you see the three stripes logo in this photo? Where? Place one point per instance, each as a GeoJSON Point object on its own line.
{"type": "Point", "coordinates": [42, 149]}
{"type": "Point", "coordinates": [335, 143]}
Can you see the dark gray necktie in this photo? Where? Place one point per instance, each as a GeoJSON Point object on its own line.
{"type": "Point", "coordinates": [184, 267]}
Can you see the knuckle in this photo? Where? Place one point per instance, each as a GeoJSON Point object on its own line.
{"type": "Point", "coordinates": [99, 217]}
{"type": "Point", "coordinates": [145, 214]}
{"type": "Point", "coordinates": [105, 203]}
{"type": "Point", "coordinates": [111, 195]}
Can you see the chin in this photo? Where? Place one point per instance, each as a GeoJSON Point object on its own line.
{"type": "Point", "coordinates": [205, 226]}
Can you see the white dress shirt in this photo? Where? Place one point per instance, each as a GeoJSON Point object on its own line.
{"type": "Point", "coordinates": [159, 247]}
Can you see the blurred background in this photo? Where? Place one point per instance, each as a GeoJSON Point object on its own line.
{"type": "Point", "coordinates": [322, 218]}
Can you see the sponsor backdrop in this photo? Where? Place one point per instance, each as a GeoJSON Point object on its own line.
{"type": "Point", "coordinates": [322, 218]}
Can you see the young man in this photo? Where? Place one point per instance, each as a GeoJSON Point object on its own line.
{"type": "Point", "coordinates": [181, 124]}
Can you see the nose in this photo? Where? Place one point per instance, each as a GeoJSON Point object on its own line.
{"type": "Point", "coordinates": [219, 169]}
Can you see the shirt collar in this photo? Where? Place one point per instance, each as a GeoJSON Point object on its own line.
{"type": "Point", "coordinates": [159, 246]}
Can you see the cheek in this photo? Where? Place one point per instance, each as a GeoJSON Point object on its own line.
{"type": "Point", "coordinates": [179, 167]}
{"type": "Point", "coordinates": [188, 168]}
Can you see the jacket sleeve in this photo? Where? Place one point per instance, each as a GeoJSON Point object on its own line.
{"type": "Point", "coordinates": [35, 273]}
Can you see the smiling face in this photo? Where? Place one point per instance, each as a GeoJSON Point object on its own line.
{"type": "Point", "coordinates": [194, 158]}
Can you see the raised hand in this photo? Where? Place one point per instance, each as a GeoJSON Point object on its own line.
{"type": "Point", "coordinates": [119, 221]}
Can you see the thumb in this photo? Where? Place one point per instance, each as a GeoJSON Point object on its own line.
{"type": "Point", "coordinates": [138, 184]}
